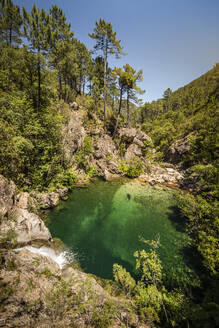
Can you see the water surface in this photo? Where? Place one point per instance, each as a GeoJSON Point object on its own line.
{"type": "Point", "coordinates": [102, 223]}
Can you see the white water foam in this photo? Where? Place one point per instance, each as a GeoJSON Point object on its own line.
{"type": "Point", "coordinates": [61, 259]}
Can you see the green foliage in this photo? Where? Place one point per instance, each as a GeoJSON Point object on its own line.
{"type": "Point", "coordinates": [123, 278]}
{"type": "Point", "coordinates": [8, 240]}
{"type": "Point", "coordinates": [153, 303]}
{"type": "Point", "coordinates": [108, 44]}
{"type": "Point", "coordinates": [47, 273]}
{"type": "Point", "coordinates": [5, 291]}
{"type": "Point", "coordinates": [11, 266]}
{"type": "Point", "coordinates": [82, 156]}
{"type": "Point", "coordinates": [150, 266]}
{"type": "Point", "coordinates": [148, 301]}
{"type": "Point", "coordinates": [193, 108]}
{"type": "Point", "coordinates": [91, 171]}
{"type": "Point", "coordinates": [203, 227]}
{"type": "Point", "coordinates": [132, 168]}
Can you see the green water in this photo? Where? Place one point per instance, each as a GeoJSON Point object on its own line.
{"type": "Point", "coordinates": [102, 224]}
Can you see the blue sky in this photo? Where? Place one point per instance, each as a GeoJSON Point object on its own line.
{"type": "Point", "coordinates": [173, 41]}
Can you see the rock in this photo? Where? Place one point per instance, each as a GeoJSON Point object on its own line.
{"type": "Point", "coordinates": [131, 135]}
{"type": "Point", "coordinates": [47, 200]}
{"type": "Point", "coordinates": [22, 200]}
{"type": "Point", "coordinates": [138, 142]}
{"type": "Point", "coordinates": [27, 226]}
{"type": "Point", "coordinates": [109, 176]}
{"type": "Point", "coordinates": [191, 182]}
{"type": "Point", "coordinates": [161, 175]}
{"type": "Point", "coordinates": [128, 134]}
{"type": "Point", "coordinates": [63, 192]}
{"type": "Point", "coordinates": [178, 149]}
{"type": "Point", "coordinates": [73, 134]}
{"type": "Point", "coordinates": [15, 216]}
{"type": "Point", "coordinates": [132, 151]}
{"type": "Point", "coordinates": [104, 147]}
{"type": "Point", "coordinates": [74, 105]}
{"type": "Point", "coordinates": [7, 195]}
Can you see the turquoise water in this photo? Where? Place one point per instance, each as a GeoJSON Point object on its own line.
{"type": "Point", "coordinates": [102, 224]}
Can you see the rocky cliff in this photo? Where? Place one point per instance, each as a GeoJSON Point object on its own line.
{"type": "Point", "coordinates": [90, 151]}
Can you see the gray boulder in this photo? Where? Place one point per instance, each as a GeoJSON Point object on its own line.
{"type": "Point", "coordinates": [132, 151]}
{"type": "Point", "coordinates": [178, 149]}
{"type": "Point", "coordinates": [47, 200]}
{"type": "Point", "coordinates": [15, 216]}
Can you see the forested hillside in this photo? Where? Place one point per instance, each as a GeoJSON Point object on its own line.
{"type": "Point", "coordinates": [191, 113]}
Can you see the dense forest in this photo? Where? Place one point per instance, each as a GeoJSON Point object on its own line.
{"type": "Point", "coordinates": [44, 68]}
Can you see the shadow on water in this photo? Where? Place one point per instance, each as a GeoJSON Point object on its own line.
{"type": "Point", "coordinates": [176, 219]}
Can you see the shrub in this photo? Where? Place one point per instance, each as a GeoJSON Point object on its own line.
{"type": "Point", "coordinates": [133, 168]}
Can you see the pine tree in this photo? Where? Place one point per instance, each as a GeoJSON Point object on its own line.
{"type": "Point", "coordinates": [106, 42]}
{"type": "Point", "coordinates": [37, 31]}
{"type": "Point", "coordinates": [131, 77]}
{"type": "Point", "coordinates": [10, 23]}
{"type": "Point", "coordinates": [166, 95]}
{"type": "Point", "coordinates": [60, 39]}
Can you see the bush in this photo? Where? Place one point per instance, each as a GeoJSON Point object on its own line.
{"type": "Point", "coordinates": [133, 168]}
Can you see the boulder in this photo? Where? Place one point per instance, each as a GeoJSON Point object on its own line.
{"type": "Point", "coordinates": [191, 183]}
{"type": "Point", "coordinates": [132, 135]}
{"type": "Point", "coordinates": [161, 175]}
{"type": "Point", "coordinates": [74, 105]}
{"type": "Point", "coordinates": [15, 216]}
{"type": "Point", "coordinates": [27, 226]}
{"type": "Point", "coordinates": [63, 192]}
{"type": "Point", "coordinates": [47, 200]}
{"type": "Point", "coordinates": [128, 134]}
{"type": "Point", "coordinates": [132, 151]}
{"type": "Point", "coordinates": [104, 146]}
{"type": "Point", "coordinates": [178, 149]}
{"type": "Point", "coordinates": [22, 200]}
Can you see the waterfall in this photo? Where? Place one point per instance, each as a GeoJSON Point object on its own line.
{"type": "Point", "coordinates": [60, 258]}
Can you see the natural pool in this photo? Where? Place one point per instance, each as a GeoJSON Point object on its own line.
{"type": "Point", "coordinates": [103, 221]}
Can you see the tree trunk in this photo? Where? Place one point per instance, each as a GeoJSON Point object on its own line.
{"type": "Point", "coordinates": [10, 36]}
{"type": "Point", "coordinates": [118, 117]}
{"type": "Point", "coordinates": [105, 80]}
{"type": "Point", "coordinates": [128, 107]}
{"type": "Point", "coordinates": [39, 80]}
{"type": "Point", "coordinates": [113, 102]}
{"type": "Point", "coordinates": [60, 86]}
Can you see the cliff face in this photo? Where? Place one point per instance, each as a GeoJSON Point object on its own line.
{"type": "Point", "coordinates": [90, 150]}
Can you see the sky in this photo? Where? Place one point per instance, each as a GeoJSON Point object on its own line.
{"type": "Point", "coordinates": [172, 41]}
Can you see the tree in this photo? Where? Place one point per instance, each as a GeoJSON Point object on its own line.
{"type": "Point", "coordinates": [131, 78]}
{"type": "Point", "coordinates": [113, 90]}
{"type": "Point", "coordinates": [166, 95]}
{"type": "Point", "coordinates": [60, 38]}
{"type": "Point", "coordinates": [106, 42]}
{"type": "Point", "coordinates": [10, 22]}
{"type": "Point", "coordinates": [37, 31]}
{"type": "Point", "coordinates": [127, 80]}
